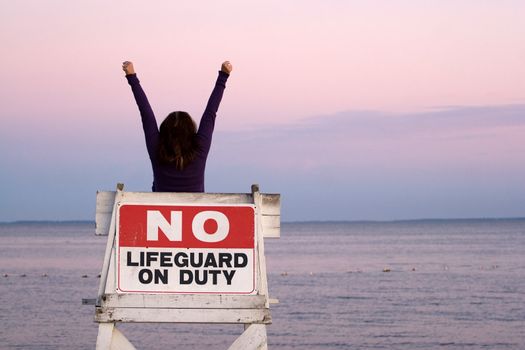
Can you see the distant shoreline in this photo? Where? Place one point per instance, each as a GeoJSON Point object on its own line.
{"type": "Point", "coordinates": [47, 222]}
{"type": "Point", "coordinates": [92, 222]}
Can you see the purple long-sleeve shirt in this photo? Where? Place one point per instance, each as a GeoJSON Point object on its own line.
{"type": "Point", "coordinates": [166, 177]}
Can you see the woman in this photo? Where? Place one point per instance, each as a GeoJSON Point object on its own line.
{"type": "Point", "coordinates": [178, 151]}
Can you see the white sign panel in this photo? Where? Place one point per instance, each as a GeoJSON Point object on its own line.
{"type": "Point", "coordinates": [186, 249]}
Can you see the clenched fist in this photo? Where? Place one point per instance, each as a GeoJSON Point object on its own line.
{"type": "Point", "coordinates": [226, 67]}
{"type": "Point", "coordinates": [127, 67]}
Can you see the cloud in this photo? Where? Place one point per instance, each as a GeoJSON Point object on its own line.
{"type": "Point", "coordinates": [449, 162]}
{"type": "Point", "coordinates": [457, 161]}
{"type": "Point", "coordinates": [446, 135]}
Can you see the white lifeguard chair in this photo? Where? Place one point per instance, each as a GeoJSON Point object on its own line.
{"type": "Point", "coordinates": [150, 238]}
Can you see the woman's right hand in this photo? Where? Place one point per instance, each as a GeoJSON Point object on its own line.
{"type": "Point", "coordinates": [127, 67]}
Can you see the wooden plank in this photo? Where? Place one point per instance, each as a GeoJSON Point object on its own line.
{"type": "Point", "coordinates": [232, 316]}
{"type": "Point", "coordinates": [105, 274]}
{"type": "Point", "coordinates": [104, 209]}
{"type": "Point", "coordinates": [271, 203]}
{"type": "Point", "coordinates": [262, 281]}
{"type": "Point", "coordinates": [105, 335]}
{"type": "Point", "coordinates": [182, 197]}
{"type": "Point", "coordinates": [253, 338]}
{"type": "Point", "coordinates": [271, 215]}
{"type": "Point", "coordinates": [184, 301]}
{"type": "Point", "coordinates": [270, 206]}
{"type": "Point", "coordinates": [120, 342]}
{"type": "Point", "coordinates": [271, 226]}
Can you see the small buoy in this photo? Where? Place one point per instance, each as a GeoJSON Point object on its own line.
{"type": "Point", "coordinates": [413, 269]}
{"type": "Point", "coordinates": [98, 276]}
{"type": "Point", "coordinates": [6, 275]}
{"type": "Point", "coordinates": [44, 275]}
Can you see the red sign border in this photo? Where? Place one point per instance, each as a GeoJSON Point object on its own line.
{"type": "Point", "coordinates": [117, 246]}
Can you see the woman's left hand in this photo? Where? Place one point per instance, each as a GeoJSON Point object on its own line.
{"type": "Point", "coordinates": [226, 67]}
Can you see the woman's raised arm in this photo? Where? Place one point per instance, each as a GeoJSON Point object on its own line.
{"type": "Point", "coordinates": [207, 123]}
{"type": "Point", "coordinates": [149, 123]}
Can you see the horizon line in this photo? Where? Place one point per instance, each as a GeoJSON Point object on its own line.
{"type": "Point", "coordinates": [320, 221]}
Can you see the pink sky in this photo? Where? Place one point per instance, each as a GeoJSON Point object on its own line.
{"type": "Point", "coordinates": [293, 61]}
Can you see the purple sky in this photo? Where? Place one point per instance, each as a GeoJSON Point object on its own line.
{"type": "Point", "coordinates": [350, 109]}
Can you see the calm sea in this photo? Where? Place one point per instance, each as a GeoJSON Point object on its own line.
{"type": "Point", "coordinates": [447, 284]}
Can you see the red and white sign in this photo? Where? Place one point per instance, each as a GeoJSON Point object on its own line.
{"type": "Point", "coordinates": [186, 249]}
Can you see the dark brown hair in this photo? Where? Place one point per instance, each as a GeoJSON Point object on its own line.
{"type": "Point", "coordinates": [178, 143]}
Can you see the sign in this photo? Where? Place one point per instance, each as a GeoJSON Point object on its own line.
{"type": "Point", "coordinates": [186, 249]}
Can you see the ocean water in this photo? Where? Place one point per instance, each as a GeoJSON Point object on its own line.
{"type": "Point", "coordinates": [445, 284]}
